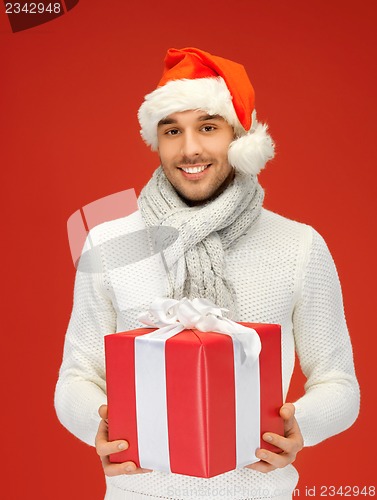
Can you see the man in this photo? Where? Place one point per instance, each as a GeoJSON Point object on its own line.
{"type": "Point", "coordinates": [259, 266]}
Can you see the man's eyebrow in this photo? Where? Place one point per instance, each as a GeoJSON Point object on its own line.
{"type": "Point", "coordinates": [166, 121]}
{"type": "Point", "coordinates": [204, 118]}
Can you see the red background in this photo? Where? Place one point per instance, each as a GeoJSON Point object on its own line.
{"type": "Point", "coordinates": [70, 90]}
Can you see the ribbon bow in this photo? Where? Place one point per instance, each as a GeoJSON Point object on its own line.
{"type": "Point", "coordinates": [172, 316]}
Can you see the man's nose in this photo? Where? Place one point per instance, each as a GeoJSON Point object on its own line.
{"type": "Point", "coordinates": [191, 144]}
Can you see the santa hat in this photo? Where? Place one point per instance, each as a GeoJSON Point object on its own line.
{"type": "Point", "coordinates": [194, 79]}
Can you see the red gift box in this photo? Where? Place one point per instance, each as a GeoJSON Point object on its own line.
{"type": "Point", "coordinates": [199, 400]}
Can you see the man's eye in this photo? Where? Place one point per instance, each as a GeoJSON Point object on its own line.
{"type": "Point", "coordinates": [172, 131]}
{"type": "Point", "coordinates": [208, 128]}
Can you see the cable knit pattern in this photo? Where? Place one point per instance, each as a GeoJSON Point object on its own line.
{"type": "Point", "coordinates": [282, 272]}
{"type": "Point", "coordinates": [205, 232]}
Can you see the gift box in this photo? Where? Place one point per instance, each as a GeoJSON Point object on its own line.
{"type": "Point", "coordinates": [194, 402]}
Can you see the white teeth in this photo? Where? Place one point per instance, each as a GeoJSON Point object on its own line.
{"type": "Point", "coordinates": [194, 170]}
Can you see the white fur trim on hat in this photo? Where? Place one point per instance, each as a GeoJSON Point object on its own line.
{"type": "Point", "coordinates": [208, 94]}
{"type": "Point", "coordinates": [251, 152]}
{"type": "Point", "coordinates": [248, 153]}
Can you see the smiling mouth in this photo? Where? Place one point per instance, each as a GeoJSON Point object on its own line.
{"type": "Point", "coordinates": [195, 169]}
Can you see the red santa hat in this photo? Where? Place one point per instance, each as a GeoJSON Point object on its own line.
{"type": "Point", "coordinates": [194, 79]}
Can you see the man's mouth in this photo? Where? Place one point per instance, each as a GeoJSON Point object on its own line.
{"type": "Point", "coordinates": [195, 169]}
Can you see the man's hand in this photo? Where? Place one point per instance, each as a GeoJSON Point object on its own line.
{"type": "Point", "coordinates": [290, 444]}
{"type": "Point", "coordinates": [105, 447]}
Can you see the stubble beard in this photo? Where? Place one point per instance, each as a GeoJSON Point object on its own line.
{"type": "Point", "coordinates": [214, 189]}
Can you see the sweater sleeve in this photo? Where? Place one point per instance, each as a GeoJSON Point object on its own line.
{"type": "Point", "coordinates": [331, 401]}
{"type": "Point", "coordinates": [81, 387]}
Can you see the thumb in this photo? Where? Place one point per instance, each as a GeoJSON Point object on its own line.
{"type": "Point", "coordinates": [102, 411]}
{"type": "Point", "coordinates": [287, 411]}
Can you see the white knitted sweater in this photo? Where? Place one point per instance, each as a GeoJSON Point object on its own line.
{"type": "Point", "coordinates": [282, 273]}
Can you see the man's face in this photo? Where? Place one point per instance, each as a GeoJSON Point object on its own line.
{"type": "Point", "coordinates": [193, 149]}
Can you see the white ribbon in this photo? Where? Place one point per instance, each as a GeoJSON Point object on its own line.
{"type": "Point", "coordinates": [171, 317]}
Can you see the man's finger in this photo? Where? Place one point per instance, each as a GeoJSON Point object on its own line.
{"type": "Point", "coordinates": [261, 466]}
{"type": "Point", "coordinates": [102, 411]}
{"type": "Point", "coordinates": [289, 446]}
{"type": "Point", "coordinates": [108, 448]}
{"type": "Point", "coordinates": [105, 447]}
{"type": "Point", "coordinates": [277, 460]}
{"type": "Point", "coordinates": [111, 469]}
{"type": "Point", "coordinates": [102, 435]}
{"type": "Point", "coordinates": [287, 412]}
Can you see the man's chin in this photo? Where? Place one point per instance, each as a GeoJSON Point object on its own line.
{"type": "Point", "coordinates": [197, 199]}
{"type": "Point", "coordinates": [193, 201]}
{"type": "Point", "coordinates": [203, 192]}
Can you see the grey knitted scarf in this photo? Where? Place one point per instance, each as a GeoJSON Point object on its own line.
{"type": "Point", "coordinates": [205, 233]}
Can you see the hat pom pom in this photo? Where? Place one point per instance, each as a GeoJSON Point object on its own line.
{"type": "Point", "coordinates": [250, 153]}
